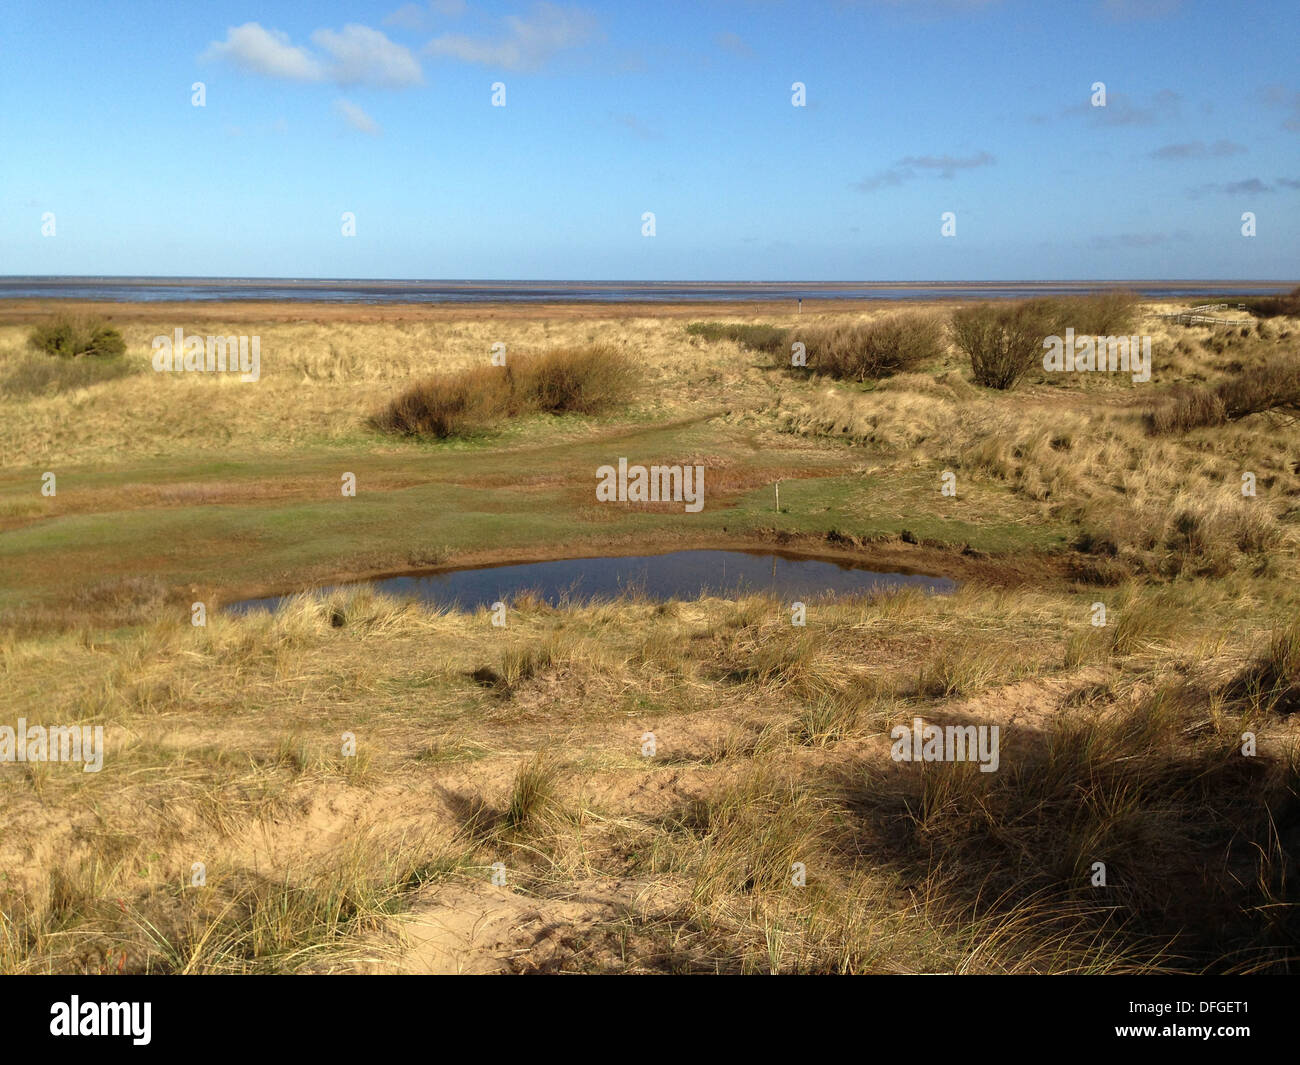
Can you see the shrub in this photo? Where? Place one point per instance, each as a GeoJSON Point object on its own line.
{"type": "Point", "coordinates": [578, 380]}
{"type": "Point", "coordinates": [766, 338]}
{"type": "Point", "coordinates": [452, 405]}
{"type": "Point", "coordinates": [862, 351]}
{"type": "Point", "coordinates": [1273, 306]}
{"type": "Point", "coordinates": [75, 337]}
{"type": "Point", "coordinates": [1003, 341]}
{"type": "Point", "coordinates": [1273, 385]}
{"type": "Point", "coordinates": [1108, 313]}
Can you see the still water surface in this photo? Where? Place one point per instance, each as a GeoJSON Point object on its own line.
{"type": "Point", "coordinates": [678, 575]}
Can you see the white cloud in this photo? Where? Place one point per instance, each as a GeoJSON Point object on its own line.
{"type": "Point", "coordinates": [355, 55]}
{"type": "Point", "coordinates": [362, 56]}
{"type": "Point", "coordinates": [527, 43]}
{"type": "Point", "coordinates": [355, 117]}
{"type": "Point", "coordinates": [269, 52]}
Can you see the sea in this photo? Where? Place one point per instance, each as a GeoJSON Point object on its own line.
{"type": "Point", "coordinates": [338, 290]}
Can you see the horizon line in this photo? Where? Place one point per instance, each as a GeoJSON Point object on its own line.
{"type": "Point", "coordinates": [638, 281]}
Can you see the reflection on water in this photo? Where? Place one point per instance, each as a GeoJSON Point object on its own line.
{"type": "Point", "coordinates": [679, 575]}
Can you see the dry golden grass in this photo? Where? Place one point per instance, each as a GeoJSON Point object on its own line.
{"type": "Point", "coordinates": [521, 752]}
{"type": "Point", "coordinates": [587, 380]}
{"type": "Point", "coordinates": [1160, 506]}
{"type": "Point", "coordinates": [224, 746]}
{"type": "Point", "coordinates": [332, 377]}
{"type": "Point", "coordinates": [868, 350]}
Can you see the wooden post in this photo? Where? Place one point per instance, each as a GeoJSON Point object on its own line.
{"type": "Point", "coordinates": [778, 497]}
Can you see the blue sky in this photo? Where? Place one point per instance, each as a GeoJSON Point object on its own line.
{"type": "Point", "coordinates": [913, 108]}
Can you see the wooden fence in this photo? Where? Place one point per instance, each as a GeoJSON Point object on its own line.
{"type": "Point", "coordinates": [1197, 316]}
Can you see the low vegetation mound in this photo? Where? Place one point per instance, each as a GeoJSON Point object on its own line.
{"type": "Point", "coordinates": [1113, 312]}
{"type": "Point", "coordinates": [848, 351]}
{"type": "Point", "coordinates": [768, 338]}
{"type": "Point", "coordinates": [88, 351]}
{"type": "Point", "coordinates": [867, 351]}
{"type": "Point", "coordinates": [1272, 386]}
{"type": "Point", "coordinates": [1273, 306]}
{"type": "Point", "coordinates": [30, 374]}
{"type": "Point", "coordinates": [577, 380]}
{"type": "Point", "coordinates": [77, 337]}
{"type": "Point", "coordinates": [570, 380]}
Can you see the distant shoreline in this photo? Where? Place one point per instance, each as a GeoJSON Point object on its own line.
{"type": "Point", "coordinates": [538, 293]}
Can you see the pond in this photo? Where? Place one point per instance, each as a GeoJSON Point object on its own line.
{"type": "Point", "coordinates": [678, 575]}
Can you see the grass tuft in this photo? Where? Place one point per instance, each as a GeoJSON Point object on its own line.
{"type": "Point", "coordinates": [577, 380]}
{"type": "Point", "coordinates": [868, 351]}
